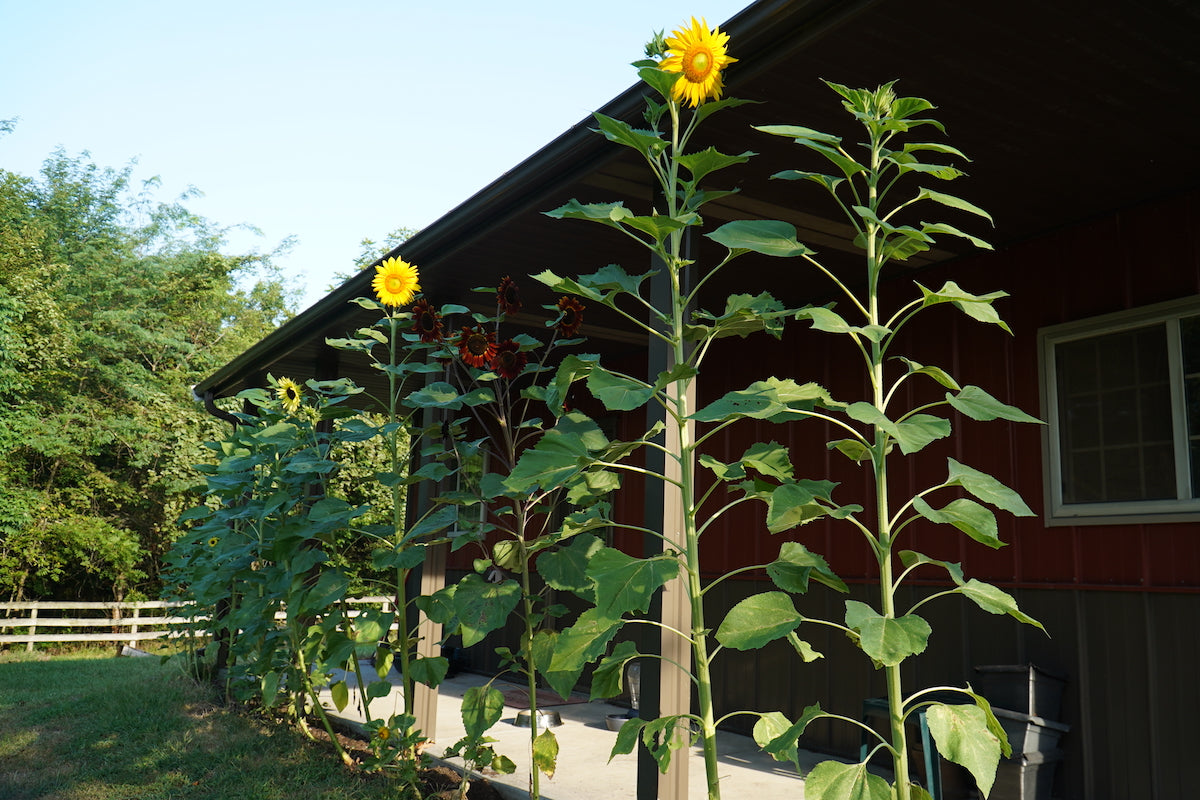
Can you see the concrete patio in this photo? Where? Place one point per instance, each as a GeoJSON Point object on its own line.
{"type": "Point", "coordinates": [584, 770]}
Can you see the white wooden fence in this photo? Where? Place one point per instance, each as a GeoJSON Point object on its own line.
{"type": "Point", "coordinates": [105, 622]}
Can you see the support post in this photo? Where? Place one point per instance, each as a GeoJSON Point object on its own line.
{"type": "Point", "coordinates": [667, 689]}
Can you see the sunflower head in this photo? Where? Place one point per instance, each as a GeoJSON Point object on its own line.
{"type": "Point", "coordinates": [508, 296]}
{"type": "Point", "coordinates": [213, 541]}
{"type": "Point", "coordinates": [427, 323]}
{"type": "Point", "coordinates": [509, 362]}
{"type": "Point", "coordinates": [698, 54]}
{"type": "Point", "coordinates": [476, 346]}
{"type": "Point", "coordinates": [570, 316]}
{"type": "Point", "coordinates": [289, 394]}
{"type": "Point", "coordinates": [384, 733]}
{"type": "Point", "coordinates": [396, 282]}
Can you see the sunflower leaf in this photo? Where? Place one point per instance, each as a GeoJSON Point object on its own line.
{"type": "Point", "coordinates": [772, 399]}
{"type": "Point", "coordinates": [647, 143]}
{"type": "Point", "coordinates": [769, 237]}
{"type": "Point", "coordinates": [710, 160]}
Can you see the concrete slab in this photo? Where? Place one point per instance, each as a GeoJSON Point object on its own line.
{"type": "Point", "coordinates": [584, 769]}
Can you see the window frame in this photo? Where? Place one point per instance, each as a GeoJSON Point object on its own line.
{"type": "Point", "coordinates": [1185, 507]}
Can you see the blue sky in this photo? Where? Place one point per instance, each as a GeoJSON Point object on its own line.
{"type": "Point", "coordinates": [326, 122]}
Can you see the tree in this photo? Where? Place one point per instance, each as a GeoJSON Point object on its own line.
{"type": "Point", "coordinates": [112, 304]}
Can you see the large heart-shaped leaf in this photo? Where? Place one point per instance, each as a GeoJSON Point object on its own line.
{"type": "Point", "coordinates": [758, 619]}
{"type": "Point", "coordinates": [963, 736]}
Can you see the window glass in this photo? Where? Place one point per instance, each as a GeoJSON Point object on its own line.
{"type": "Point", "coordinates": [1115, 435]}
{"type": "Point", "coordinates": [1189, 340]}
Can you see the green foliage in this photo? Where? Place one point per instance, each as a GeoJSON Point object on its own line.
{"type": "Point", "coordinates": [111, 304]}
{"type": "Point", "coordinates": [873, 428]}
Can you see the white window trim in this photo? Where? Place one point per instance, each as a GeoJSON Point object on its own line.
{"type": "Point", "coordinates": [1133, 512]}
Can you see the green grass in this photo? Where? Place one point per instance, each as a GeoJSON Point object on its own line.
{"type": "Point", "coordinates": [88, 726]}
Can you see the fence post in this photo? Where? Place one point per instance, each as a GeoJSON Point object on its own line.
{"type": "Point", "coordinates": [133, 642]}
{"type": "Point", "coordinates": [32, 629]}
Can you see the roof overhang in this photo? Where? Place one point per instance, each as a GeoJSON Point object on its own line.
{"type": "Point", "coordinates": [1069, 111]}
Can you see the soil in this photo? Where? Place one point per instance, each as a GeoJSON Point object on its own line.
{"type": "Point", "coordinates": [440, 782]}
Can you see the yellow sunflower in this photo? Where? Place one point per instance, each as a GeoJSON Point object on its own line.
{"type": "Point", "coordinates": [289, 394]}
{"type": "Point", "coordinates": [699, 54]}
{"type": "Point", "coordinates": [395, 282]}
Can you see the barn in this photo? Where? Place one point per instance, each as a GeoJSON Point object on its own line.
{"type": "Point", "coordinates": [1080, 120]}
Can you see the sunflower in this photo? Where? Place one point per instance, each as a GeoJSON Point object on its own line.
{"type": "Point", "coordinates": [508, 296]}
{"type": "Point", "coordinates": [384, 733]}
{"type": "Point", "coordinates": [396, 282]}
{"type": "Point", "coordinates": [509, 361]}
{"type": "Point", "coordinates": [476, 346]}
{"type": "Point", "coordinates": [427, 323]}
{"type": "Point", "coordinates": [289, 394]}
{"type": "Point", "coordinates": [213, 541]}
{"type": "Point", "coordinates": [570, 316]}
{"type": "Point", "coordinates": [699, 54]}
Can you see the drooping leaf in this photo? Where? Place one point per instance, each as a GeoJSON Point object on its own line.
{"type": "Point", "coordinates": [565, 569]}
{"type": "Point", "coordinates": [772, 399]}
{"type": "Point", "coordinates": [771, 726]}
{"type": "Point", "coordinates": [618, 392]}
{"type": "Point", "coordinates": [339, 692]}
{"type": "Point", "coordinates": [624, 583]}
{"type": "Point", "coordinates": [987, 489]}
{"type": "Point", "coordinates": [937, 373]}
{"type": "Point", "coordinates": [647, 143]}
{"type": "Point", "coordinates": [769, 237]}
{"type": "Point", "coordinates": [797, 564]}
{"type": "Point", "coordinates": [608, 213]}
{"type": "Point", "coordinates": [975, 306]}
{"type": "Point", "coordinates": [782, 745]}
{"type": "Point", "coordinates": [917, 431]}
{"type": "Point", "coordinates": [562, 452]}
{"type": "Point", "coordinates": [963, 736]}
{"type": "Point", "coordinates": [483, 607]}
{"type": "Point", "coordinates": [803, 648]}
{"type": "Point", "coordinates": [795, 503]}
{"type": "Point", "coordinates": [886, 640]}
{"type": "Point", "coordinates": [994, 600]}
{"type": "Point", "coordinates": [968, 516]}
{"type": "Point", "coordinates": [577, 646]}
{"type": "Point", "coordinates": [482, 707]}
{"type": "Point", "coordinates": [269, 686]}
{"type": "Point", "coordinates": [545, 753]}
{"type": "Point", "coordinates": [978, 404]}
{"type": "Point", "coordinates": [744, 314]}
{"type": "Point", "coordinates": [430, 670]}
{"type": "Point", "coordinates": [769, 458]}
{"type": "Point", "coordinates": [758, 619]}
{"type": "Point", "coordinates": [953, 202]}
{"type": "Point", "coordinates": [608, 677]}
{"type": "Point", "coordinates": [436, 395]}
{"type": "Point", "coordinates": [833, 780]}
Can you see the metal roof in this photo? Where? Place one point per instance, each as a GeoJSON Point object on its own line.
{"type": "Point", "coordinates": [1069, 110]}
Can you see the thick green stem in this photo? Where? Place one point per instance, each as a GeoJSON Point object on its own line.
{"type": "Point", "coordinates": [404, 640]}
{"type": "Point", "coordinates": [895, 690]}
{"type": "Point", "coordinates": [530, 669]}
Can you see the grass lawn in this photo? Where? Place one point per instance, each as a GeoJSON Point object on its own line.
{"type": "Point", "coordinates": [89, 726]}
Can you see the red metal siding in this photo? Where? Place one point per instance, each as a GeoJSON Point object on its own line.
{"type": "Point", "coordinates": [1129, 259]}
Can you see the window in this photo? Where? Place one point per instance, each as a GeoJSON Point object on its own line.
{"type": "Point", "coordinates": [1121, 394]}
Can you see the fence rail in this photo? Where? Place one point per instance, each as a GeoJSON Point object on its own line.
{"type": "Point", "coordinates": [120, 622]}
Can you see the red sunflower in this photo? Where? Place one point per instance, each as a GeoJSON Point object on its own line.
{"type": "Point", "coordinates": [509, 361]}
{"type": "Point", "coordinates": [427, 323]}
{"type": "Point", "coordinates": [476, 346]}
{"type": "Point", "coordinates": [570, 316]}
{"type": "Point", "coordinates": [508, 296]}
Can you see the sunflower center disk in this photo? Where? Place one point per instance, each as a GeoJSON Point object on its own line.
{"type": "Point", "coordinates": [395, 284]}
{"type": "Point", "coordinates": [698, 64]}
